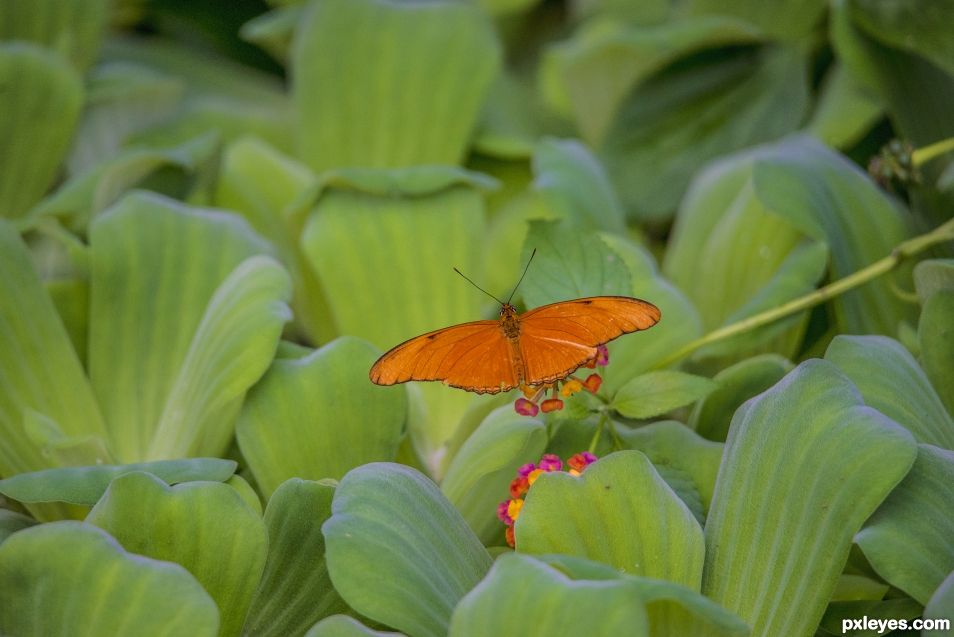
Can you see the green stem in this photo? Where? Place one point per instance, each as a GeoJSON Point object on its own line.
{"type": "Point", "coordinates": [923, 155]}
{"type": "Point", "coordinates": [599, 431]}
{"type": "Point", "coordinates": [904, 250]}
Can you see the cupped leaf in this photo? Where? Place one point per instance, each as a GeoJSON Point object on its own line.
{"type": "Point", "coordinates": [936, 338]}
{"type": "Point", "coordinates": [574, 184]}
{"type": "Point", "coordinates": [86, 485]}
{"type": "Point", "coordinates": [656, 393]}
{"type": "Point", "coordinates": [712, 415]}
{"type": "Point", "coordinates": [72, 578]}
{"type": "Point", "coordinates": [72, 29]}
{"type": "Point", "coordinates": [620, 512]}
{"type": "Point", "coordinates": [941, 606]}
{"type": "Point", "coordinates": [523, 596]}
{"type": "Point", "coordinates": [231, 349]}
{"type": "Point", "coordinates": [319, 416]}
{"type": "Point", "coordinates": [396, 236]}
{"type": "Point", "coordinates": [933, 275]}
{"type": "Point", "coordinates": [204, 526]}
{"type": "Point", "coordinates": [891, 381]}
{"type": "Point", "coordinates": [11, 522]}
{"type": "Point", "coordinates": [569, 264]}
{"type": "Point", "coordinates": [478, 477]}
{"type": "Point", "coordinates": [40, 98]}
{"type": "Point", "coordinates": [590, 75]}
{"type": "Point", "coordinates": [261, 183]}
{"type": "Point", "coordinates": [674, 610]}
{"type": "Point", "coordinates": [398, 552]}
{"type": "Point", "coordinates": [686, 461]}
{"type": "Point", "coordinates": [295, 590]}
{"type": "Point", "coordinates": [160, 298]}
{"type": "Point", "coordinates": [345, 626]}
{"type": "Point", "coordinates": [847, 109]}
{"type": "Point", "coordinates": [40, 374]}
{"type": "Point", "coordinates": [804, 465]}
{"type": "Point", "coordinates": [417, 109]}
{"type": "Point", "coordinates": [909, 540]}
{"type": "Point", "coordinates": [671, 125]}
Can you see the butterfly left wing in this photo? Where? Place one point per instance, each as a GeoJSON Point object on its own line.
{"type": "Point", "coordinates": [558, 338]}
{"type": "Point", "coordinates": [472, 356]}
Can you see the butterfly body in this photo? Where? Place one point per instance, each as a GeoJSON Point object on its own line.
{"type": "Point", "coordinates": [538, 347]}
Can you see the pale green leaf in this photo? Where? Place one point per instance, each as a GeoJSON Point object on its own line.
{"type": "Point", "coordinates": [523, 596]}
{"type": "Point", "coordinates": [919, 26]}
{"type": "Point", "coordinates": [620, 512]}
{"type": "Point", "coordinates": [156, 292]}
{"type": "Point", "coordinates": [386, 84]}
{"type": "Point", "coordinates": [656, 393]}
{"type": "Point", "coordinates": [891, 381]}
{"type": "Point", "coordinates": [909, 540]}
{"type": "Point", "coordinates": [72, 29]}
{"type": "Point", "coordinates": [932, 275]}
{"type": "Point", "coordinates": [782, 19]}
{"type": "Point", "coordinates": [936, 339]}
{"type": "Point", "coordinates": [295, 591]}
{"type": "Point", "coordinates": [478, 478]}
{"type": "Point", "coordinates": [345, 626]}
{"type": "Point", "coordinates": [40, 98]}
{"type": "Point", "coordinates": [11, 522]}
{"type": "Point", "coordinates": [398, 552]}
{"type": "Point", "coordinates": [204, 526]}
{"type": "Point", "coordinates": [68, 578]}
{"type": "Point", "coordinates": [319, 416]}
{"type": "Point", "coordinates": [941, 606]}
{"type": "Point", "coordinates": [846, 111]}
{"type": "Point", "coordinates": [804, 466]}
{"type": "Point", "coordinates": [86, 485]}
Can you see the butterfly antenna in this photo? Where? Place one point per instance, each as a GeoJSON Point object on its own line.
{"type": "Point", "coordinates": [521, 276]}
{"type": "Point", "coordinates": [478, 287]}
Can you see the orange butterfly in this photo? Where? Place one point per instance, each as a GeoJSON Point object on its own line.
{"type": "Point", "coordinates": [537, 348]}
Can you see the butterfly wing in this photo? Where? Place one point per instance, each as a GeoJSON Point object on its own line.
{"type": "Point", "coordinates": [558, 338]}
{"type": "Point", "coordinates": [472, 356]}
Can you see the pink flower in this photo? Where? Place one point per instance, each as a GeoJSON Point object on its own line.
{"type": "Point", "coordinates": [551, 462]}
{"type": "Point", "coordinates": [526, 407]}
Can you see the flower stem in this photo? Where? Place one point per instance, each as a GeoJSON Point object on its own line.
{"type": "Point", "coordinates": [904, 250]}
{"type": "Point", "coordinates": [923, 155]}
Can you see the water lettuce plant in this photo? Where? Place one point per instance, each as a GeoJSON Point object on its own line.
{"type": "Point", "coordinates": [212, 223]}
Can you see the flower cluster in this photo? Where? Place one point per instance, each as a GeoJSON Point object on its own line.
{"type": "Point", "coordinates": [530, 404]}
{"type": "Point", "coordinates": [509, 510]}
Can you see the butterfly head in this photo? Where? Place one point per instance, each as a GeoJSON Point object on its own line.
{"type": "Point", "coordinates": [507, 311]}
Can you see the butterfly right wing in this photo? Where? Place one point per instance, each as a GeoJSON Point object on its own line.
{"type": "Point", "coordinates": [472, 356]}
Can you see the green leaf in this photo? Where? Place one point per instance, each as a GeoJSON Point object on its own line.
{"type": "Point", "coordinates": [319, 417]}
{"type": "Point", "coordinates": [261, 183]}
{"type": "Point", "coordinates": [620, 512]}
{"type": "Point", "coordinates": [395, 236]}
{"type": "Point", "coordinates": [72, 578]}
{"type": "Point", "coordinates": [786, 20]}
{"type": "Point", "coordinates": [918, 26]}
{"type": "Point", "coordinates": [936, 337]}
{"type": "Point", "coordinates": [674, 610]}
{"type": "Point", "coordinates": [419, 108]}
{"type": "Point", "coordinates": [398, 552]}
{"type": "Point", "coordinates": [847, 109]}
{"type": "Point", "coordinates": [909, 540]}
{"type": "Point", "coordinates": [804, 465]}
{"type": "Point", "coordinates": [479, 476]}
{"type": "Point", "coordinates": [674, 123]}
{"type": "Point", "coordinates": [656, 393]}
{"type": "Point", "coordinates": [295, 590]}
{"type": "Point", "coordinates": [941, 605]}
{"type": "Point", "coordinates": [11, 522]}
{"type": "Point", "coordinates": [932, 275]}
{"type": "Point", "coordinates": [86, 485]}
{"type": "Point", "coordinates": [166, 310]}
{"type": "Point", "coordinates": [687, 462]}
{"type": "Point", "coordinates": [891, 381]}
{"type": "Point", "coordinates": [574, 184]}
{"type": "Point", "coordinates": [589, 76]}
{"type": "Point", "coordinates": [569, 264]}
{"type": "Point", "coordinates": [72, 29]}
{"type": "Point", "coordinates": [523, 596]}
{"type": "Point", "coordinates": [204, 526]}
{"type": "Point", "coordinates": [40, 374]}
{"type": "Point", "coordinates": [273, 31]}
{"type": "Point", "coordinates": [734, 385]}
{"type": "Point", "coordinates": [345, 626]}
{"type": "Point", "coordinates": [40, 98]}
{"type": "Point", "coordinates": [874, 610]}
